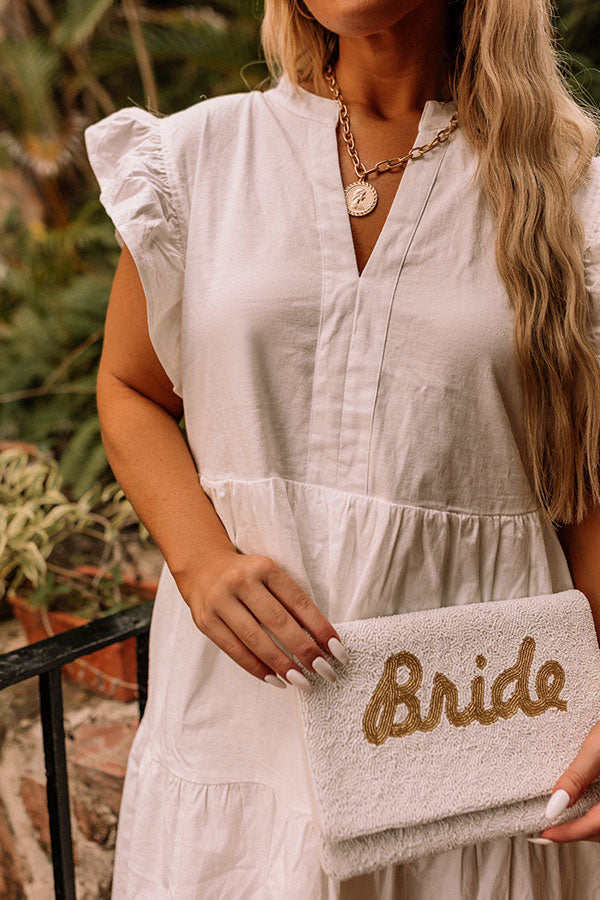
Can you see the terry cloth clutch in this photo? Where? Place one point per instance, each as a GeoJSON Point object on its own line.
{"type": "Point", "coordinates": [449, 726]}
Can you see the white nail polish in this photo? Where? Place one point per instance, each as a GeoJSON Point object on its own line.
{"type": "Point", "coordinates": [322, 667]}
{"type": "Point", "coordinates": [274, 680]}
{"type": "Point", "coordinates": [298, 680]}
{"type": "Point", "coordinates": [557, 803]}
{"type": "Point", "coordinates": [540, 840]}
{"type": "Point", "coordinates": [338, 650]}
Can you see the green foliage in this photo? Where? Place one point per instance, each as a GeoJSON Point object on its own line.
{"type": "Point", "coordinates": [84, 460]}
{"type": "Point", "coordinates": [31, 67]}
{"type": "Point", "coordinates": [578, 28]}
{"type": "Point", "coordinates": [79, 22]}
{"type": "Point", "coordinates": [85, 595]}
{"type": "Point", "coordinates": [53, 304]}
{"type": "Point", "coordinates": [36, 515]}
{"type": "Point", "coordinates": [79, 63]}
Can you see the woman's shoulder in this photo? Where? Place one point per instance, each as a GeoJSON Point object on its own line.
{"type": "Point", "coordinates": [204, 136]}
{"type": "Point", "coordinates": [217, 117]}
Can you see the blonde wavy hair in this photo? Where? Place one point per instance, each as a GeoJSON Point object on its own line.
{"type": "Point", "coordinates": [534, 144]}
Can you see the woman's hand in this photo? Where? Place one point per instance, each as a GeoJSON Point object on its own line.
{"type": "Point", "coordinates": [231, 595]}
{"type": "Point", "coordinates": [582, 771]}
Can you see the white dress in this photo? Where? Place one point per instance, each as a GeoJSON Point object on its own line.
{"type": "Point", "coordinates": [365, 432]}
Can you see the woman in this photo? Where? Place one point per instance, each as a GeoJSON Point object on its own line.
{"type": "Point", "coordinates": [385, 412]}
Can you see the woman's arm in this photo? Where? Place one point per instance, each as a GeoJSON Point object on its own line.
{"type": "Point", "coordinates": [230, 595]}
{"type": "Point", "coordinates": [581, 544]}
{"type": "Point", "coordinates": [146, 449]}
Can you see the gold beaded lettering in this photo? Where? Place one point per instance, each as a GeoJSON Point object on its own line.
{"type": "Point", "coordinates": [378, 720]}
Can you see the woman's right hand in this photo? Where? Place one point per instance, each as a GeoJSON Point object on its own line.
{"type": "Point", "coordinates": [231, 595]}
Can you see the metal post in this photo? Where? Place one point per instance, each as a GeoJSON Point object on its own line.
{"type": "Point", "coordinates": [141, 654]}
{"type": "Point", "coordinates": [57, 787]}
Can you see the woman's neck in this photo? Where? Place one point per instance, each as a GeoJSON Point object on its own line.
{"type": "Point", "coordinates": [387, 75]}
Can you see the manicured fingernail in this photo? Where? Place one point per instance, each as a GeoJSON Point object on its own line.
{"type": "Point", "coordinates": [275, 681]}
{"type": "Point", "coordinates": [540, 840]}
{"type": "Point", "coordinates": [557, 803]}
{"type": "Point", "coordinates": [321, 666]}
{"type": "Point", "coordinates": [338, 650]}
{"type": "Point", "coordinates": [298, 680]}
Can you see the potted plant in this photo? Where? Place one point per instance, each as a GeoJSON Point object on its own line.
{"type": "Point", "coordinates": [46, 544]}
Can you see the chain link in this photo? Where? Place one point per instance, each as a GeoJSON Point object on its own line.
{"type": "Point", "coordinates": [414, 153]}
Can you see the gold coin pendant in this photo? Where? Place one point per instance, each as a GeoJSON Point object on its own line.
{"type": "Point", "coordinates": [361, 198]}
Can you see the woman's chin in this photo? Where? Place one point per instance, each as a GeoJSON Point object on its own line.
{"type": "Point", "coordinates": [357, 18]}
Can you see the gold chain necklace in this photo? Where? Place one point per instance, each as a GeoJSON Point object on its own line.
{"type": "Point", "coordinates": [361, 197]}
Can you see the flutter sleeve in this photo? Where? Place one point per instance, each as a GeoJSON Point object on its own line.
{"type": "Point", "coordinates": [127, 154]}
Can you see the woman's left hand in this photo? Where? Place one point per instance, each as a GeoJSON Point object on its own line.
{"type": "Point", "coordinates": [582, 771]}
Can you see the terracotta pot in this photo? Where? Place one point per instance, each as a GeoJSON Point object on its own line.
{"type": "Point", "coordinates": [111, 671]}
{"type": "Point", "coordinates": [31, 449]}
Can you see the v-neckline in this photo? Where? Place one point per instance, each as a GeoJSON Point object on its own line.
{"type": "Point", "coordinates": [348, 238]}
{"type": "Point", "coordinates": [435, 115]}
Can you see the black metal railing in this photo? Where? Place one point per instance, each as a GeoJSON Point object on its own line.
{"type": "Point", "coordinates": [44, 659]}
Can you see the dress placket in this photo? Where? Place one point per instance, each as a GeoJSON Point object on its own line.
{"type": "Point", "coordinates": [355, 308]}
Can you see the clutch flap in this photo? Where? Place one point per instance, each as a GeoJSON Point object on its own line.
{"type": "Point", "coordinates": [450, 710]}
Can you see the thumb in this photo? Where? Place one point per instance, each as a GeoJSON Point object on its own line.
{"type": "Point", "coordinates": [581, 772]}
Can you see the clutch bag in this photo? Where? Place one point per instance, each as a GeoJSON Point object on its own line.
{"type": "Point", "coordinates": [449, 726]}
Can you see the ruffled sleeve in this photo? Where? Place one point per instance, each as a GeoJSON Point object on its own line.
{"type": "Point", "coordinates": [127, 155]}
